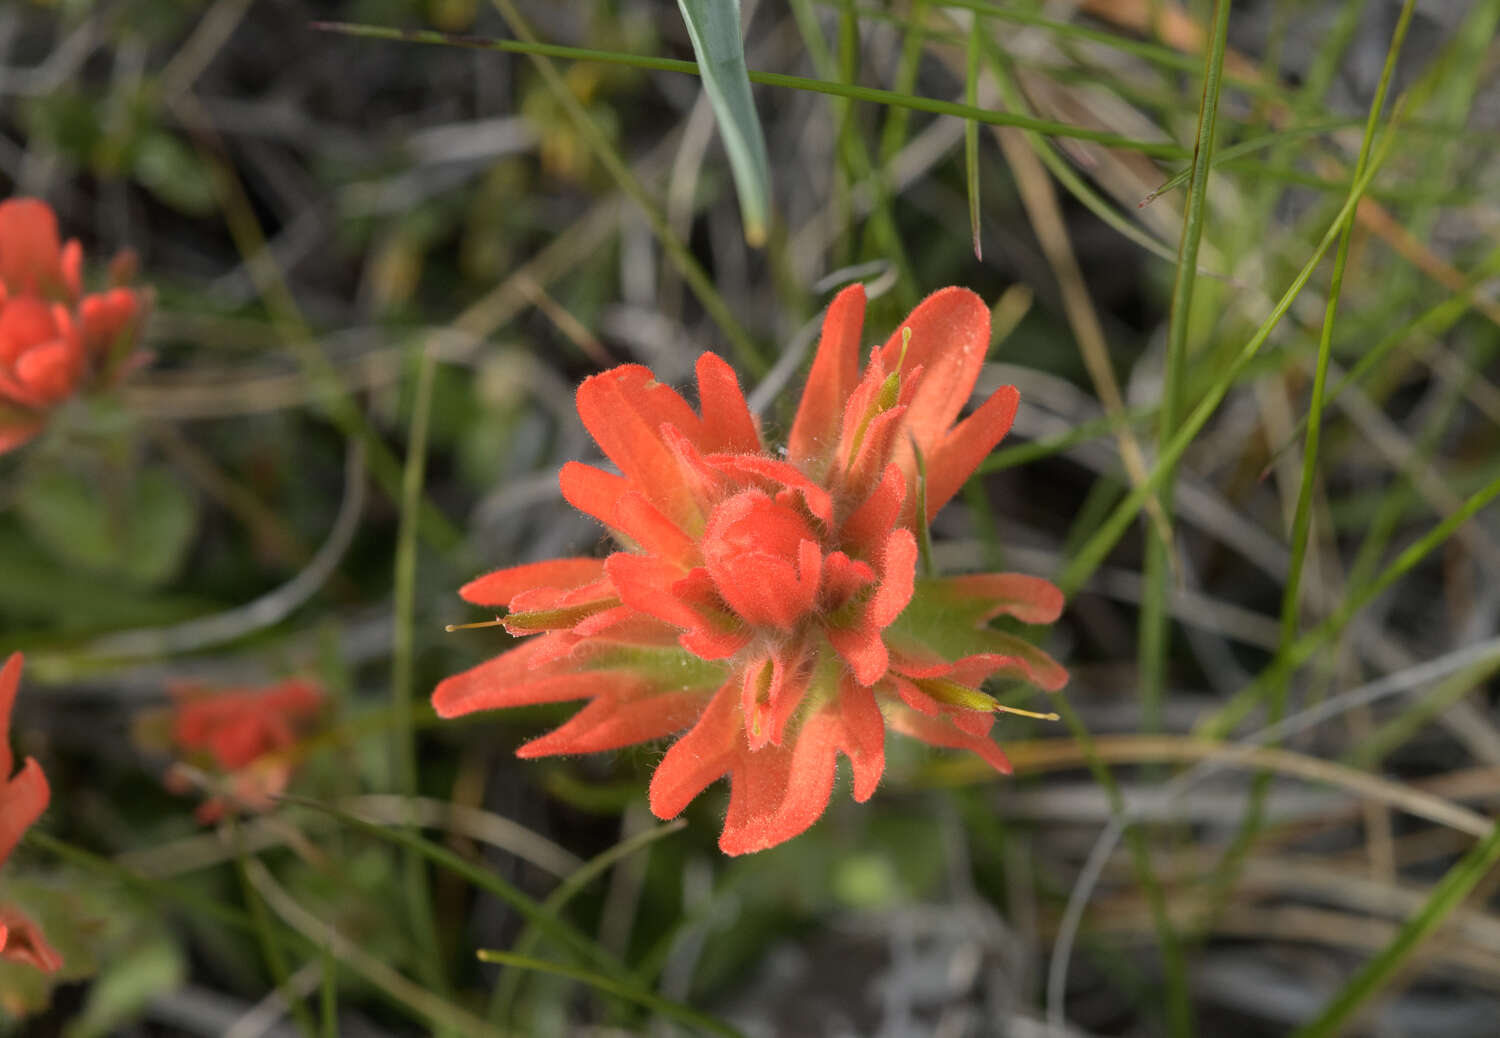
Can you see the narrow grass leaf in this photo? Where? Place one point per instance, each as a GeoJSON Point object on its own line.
{"type": "Point", "coordinates": [505, 991]}
{"type": "Point", "coordinates": [1093, 552]}
{"type": "Point", "coordinates": [416, 889]}
{"type": "Point", "coordinates": [874, 95]}
{"type": "Point", "coordinates": [1379, 971]}
{"type": "Point", "coordinates": [714, 28]}
{"type": "Point", "coordinates": [971, 136]}
{"type": "Point", "coordinates": [549, 923]}
{"type": "Point", "coordinates": [682, 1014]}
{"type": "Point", "coordinates": [1155, 630]}
{"type": "Point", "coordinates": [270, 948]}
{"type": "Point", "coordinates": [1291, 599]}
{"type": "Point", "coordinates": [328, 993]}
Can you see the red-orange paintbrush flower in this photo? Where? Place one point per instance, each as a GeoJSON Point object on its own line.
{"type": "Point", "coordinates": [23, 798]}
{"type": "Point", "coordinates": [242, 735]}
{"type": "Point", "coordinates": [768, 602]}
{"type": "Point", "coordinates": [54, 339]}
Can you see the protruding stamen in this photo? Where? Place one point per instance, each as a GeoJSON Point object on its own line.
{"type": "Point", "coordinates": [1002, 708]}
{"type": "Point", "coordinates": [954, 694]}
{"type": "Point", "coordinates": [496, 622]}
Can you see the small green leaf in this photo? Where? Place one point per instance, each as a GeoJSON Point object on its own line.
{"type": "Point", "coordinates": [139, 534]}
{"type": "Point", "coordinates": [101, 933]}
{"type": "Point", "coordinates": [714, 27]}
{"type": "Point", "coordinates": [174, 173]}
{"type": "Point", "coordinates": [127, 985]}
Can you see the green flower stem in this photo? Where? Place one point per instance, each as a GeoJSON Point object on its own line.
{"type": "Point", "coordinates": [418, 892]}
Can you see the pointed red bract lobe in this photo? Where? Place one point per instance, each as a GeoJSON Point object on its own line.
{"type": "Point", "coordinates": [765, 609]}
{"type": "Point", "coordinates": [835, 370]}
{"type": "Point", "coordinates": [23, 798]}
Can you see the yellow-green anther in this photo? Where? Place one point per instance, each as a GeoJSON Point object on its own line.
{"type": "Point", "coordinates": [762, 705]}
{"type": "Point", "coordinates": [552, 619]}
{"type": "Point", "coordinates": [954, 694]}
{"type": "Point", "coordinates": [890, 389]}
{"type": "Point", "coordinates": [885, 398]}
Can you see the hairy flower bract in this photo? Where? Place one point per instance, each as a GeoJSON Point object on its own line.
{"type": "Point", "coordinates": [768, 602]}
{"type": "Point", "coordinates": [243, 735]}
{"type": "Point", "coordinates": [55, 340]}
{"type": "Point", "coordinates": [23, 798]}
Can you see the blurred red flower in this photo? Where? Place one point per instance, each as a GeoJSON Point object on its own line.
{"type": "Point", "coordinates": [243, 736]}
{"type": "Point", "coordinates": [770, 603]}
{"type": "Point", "coordinates": [54, 340]}
{"type": "Point", "coordinates": [23, 798]}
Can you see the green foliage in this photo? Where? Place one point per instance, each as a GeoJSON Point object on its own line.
{"type": "Point", "coordinates": [103, 935]}
{"type": "Point", "coordinates": [137, 531]}
{"type": "Point", "coordinates": [714, 27]}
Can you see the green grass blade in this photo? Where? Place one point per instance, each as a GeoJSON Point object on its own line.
{"type": "Point", "coordinates": [971, 136]}
{"type": "Point", "coordinates": [505, 991]}
{"type": "Point", "coordinates": [1083, 432]}
{"type": "Point", "coordinates": [677, 251]}
{"type": "Point", "coordinates": [714, 28]}
{"type": "Point", "coordinates": [1243, 702]}
{"type": "Point", "coordinates": [1302, 518]}
{"type": "Point", "coordinates": [145, 886]}
{"type": "Point", "coordinates": [1420, 712]}
{"type": "Point", "coordinates": [874, 95]}
{"type": "Point", "coordinates": [417, 892]}
{"type": "Point", "coordinates": [1061, 169]}
{"type": "Point", "coordinates": [1093, 552]}
{"type": "Point", "coordinates": [1155, 629]}
{"type": "Point", "coordinates": [557, 929]}
{"type": "Point", "coordinates": [270, 948]}
{"type": "Point", "coordinates": [328, 994]}
{"type": "Point", "coordinates": [893, 133]}
{"type": "Point", "coordinates": [682, 1014]}
{"type": "Point", "coordinates": [1368, 982]}
{"type": "Point", "coordinates": [1249, 147]}
{"type": "Point", "coordinates": [542, 916]}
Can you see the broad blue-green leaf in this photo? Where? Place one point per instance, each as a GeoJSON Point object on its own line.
{"type": "Point", "coordinates": [714, 26]}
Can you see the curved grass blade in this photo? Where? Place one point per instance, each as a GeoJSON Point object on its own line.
{"type": "Point", "coordinates": [505, 991]}
{"type": "Point", "coordinates": [680, 1013]}
{"type": "Point", "coordinates": [559, 930]}
{"type": "Point", "coordinates": [265, 935]}
{"type": "Point", "coordinates": [714, 28]}
{"type": "Point", "coordinates": [542, 916]}
{"type": "Point", "coordinates": [1368, 982]}
{"type": "Point", "coordinates": [406, 994]}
